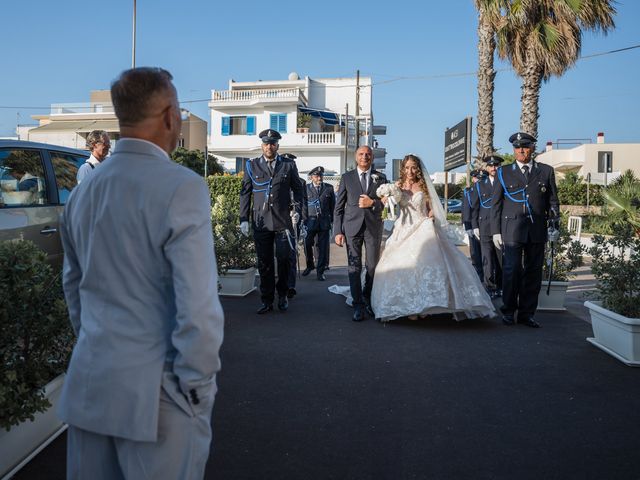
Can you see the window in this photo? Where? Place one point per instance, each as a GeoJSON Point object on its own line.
{"type": "Point", "coordinates": [278, 122]}
{"type": "Point", "coordinates": [605, 162]}
{"type": "Point", "coordinates": [21, 178]}
{"type": "Point", "coordinates": [239, 125]}
{"type": "Point", "coordinates": [241, 163]}
{"type": "Point", "coordinates": [65, 167]}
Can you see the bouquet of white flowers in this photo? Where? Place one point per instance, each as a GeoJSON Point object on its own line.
{"type": "Point", "coordinates": [390, 190]}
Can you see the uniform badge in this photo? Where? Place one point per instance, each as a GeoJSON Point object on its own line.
{"type": "Point", "coordinates": [543, 189]}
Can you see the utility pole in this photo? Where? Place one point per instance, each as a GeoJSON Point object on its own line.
{"type": "Point", "coordinates": [357, 109]}
{"type": "Point", "coordinates": [346, 136]}
{"type": "Point", "coordinates": [133, 47]}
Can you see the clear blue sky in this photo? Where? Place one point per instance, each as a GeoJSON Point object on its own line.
{"type": "Point", "coordinates": [59, 51]}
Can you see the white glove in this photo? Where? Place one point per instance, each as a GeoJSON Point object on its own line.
{"type": "Point", "coordinates": [244, 228]}
{"type": "Point", "coordinates": [303, 232]}
{"type": "Point", "coordinates": [497, 240]}
{"type": "Point", "coordinates": [469, 232]}
{"type": "Point", "coordinates": [476, 233]}
{"type": "Point", "coordinates": [295, 218]}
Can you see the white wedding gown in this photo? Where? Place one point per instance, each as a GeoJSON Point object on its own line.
{"type": "Point", "coordinates": [421, 271]}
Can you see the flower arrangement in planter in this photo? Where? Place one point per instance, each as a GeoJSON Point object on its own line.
{"type": "Point", "coordinates": [36, 341]}
{"type": "Point", "coordinates": [235, 253]}
{"type": "Point", "coordinates": [303, 122]}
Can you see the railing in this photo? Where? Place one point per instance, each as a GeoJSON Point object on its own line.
{"type": "Point", "coordinates": [322, 137]}
{"type": "Point", "coordinates": [249, 95]}
{"type": "Point", "coordinates": [66, 108]}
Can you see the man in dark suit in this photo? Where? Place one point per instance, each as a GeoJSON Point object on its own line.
{"type": "Point", "coordinates": [265, 198]}
{"type": "Point", "coordinates": [470, 223]}
{"type": "Point", "coordinates": [358, 219]}
{"type": "Point", "coordinates": [524, 198]}
{"type": "Point", "coordinates": [491, 256]}
{"type": "Point", "coordinates": [321, 201]}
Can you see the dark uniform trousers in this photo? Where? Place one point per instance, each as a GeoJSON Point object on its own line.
{"type": "Point", "coordinates": [522, 277]}
{"type": "Point", "coordinates": [313, 232]}
{"type": "Point", "coordinates": [491, 264]}
{"type": "Point", "coordinates": [475, 250]}
{"type": "Point", "coordinates": [265, 241]}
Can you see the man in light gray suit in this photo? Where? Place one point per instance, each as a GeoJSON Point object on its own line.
{"type": "Point", "coordinates": [358, 219]}
{"type": "Point", "coordinates": [141, 286]}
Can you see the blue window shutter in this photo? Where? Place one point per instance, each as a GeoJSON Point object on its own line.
{"type": "Point", "coordinates": [226, 125]}
{"type": "Point", "coordinates": [251, 125]}
{"type": "Point", "coordinates": [283, 123]}
{"type": "Point", "coordinates": [273, 122]}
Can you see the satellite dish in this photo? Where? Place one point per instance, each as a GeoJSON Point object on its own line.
{"type": "Point", "coordinates": [294, 76]}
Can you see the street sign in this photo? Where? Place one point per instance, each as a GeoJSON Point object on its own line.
{"type": "Point", "coordinates": [457, 145]}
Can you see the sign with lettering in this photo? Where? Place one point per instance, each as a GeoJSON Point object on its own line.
{"type": "Point", "coordinates": [457, 145]}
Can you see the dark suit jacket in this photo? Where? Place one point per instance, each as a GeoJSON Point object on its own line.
{"type": "Point", "coordinates": [320, 207]}
{"type": "Point", "coordinates": [511, 218]}
{"type": "Point", "coordinates": [484, 199]}
{"type": "Point", "coordinates": [272, 212]}
{"type": "Point", "coordinates": [348, 217]}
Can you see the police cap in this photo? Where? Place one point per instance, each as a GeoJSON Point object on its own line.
{"type": "Point", "coordinates": [269, 136]}
{"type": "Point", "coordinates": [493, 160]}
{"type": "Point", "coordinates": [289, 156]}
{"type": "Point", "coordinates": [522, 139]}
{"type": "Point", "coordinates": [475, 172]}
{"type": "Point", "coordinates": [317, 171]}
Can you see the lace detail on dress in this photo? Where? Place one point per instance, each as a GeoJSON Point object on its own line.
{"type": "Point", "coordinates": [422, 272]}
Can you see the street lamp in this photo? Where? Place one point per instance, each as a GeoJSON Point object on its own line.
{"type": "Point", "coordinates": [133, 48]}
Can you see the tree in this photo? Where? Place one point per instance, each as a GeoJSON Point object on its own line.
{"type": "Point", "coordinates": [194, 160]}
{"type": "Point", "coordinates": [489, 16]}
{"type": "Point", "coordinates": [542, 38]}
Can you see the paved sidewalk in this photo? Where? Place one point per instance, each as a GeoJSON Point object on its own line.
{"type": "Point", "coordinates": [309, 394]}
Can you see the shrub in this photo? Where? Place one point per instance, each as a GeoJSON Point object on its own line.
{"type": "Point", "coordinates": [572, 190]}
{"type": "Point", "coordinates": [36, 338]}
{"type": "Point", "coordinates": [233, 250]}
{"type": "Point", "coordinates": [616, 266]}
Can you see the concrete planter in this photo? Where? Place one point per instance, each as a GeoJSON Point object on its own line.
{"type": "Point", "coordinates": [237, 283]}
{"type": "Point", "coordinates": [23, 442]}
{"type": "Point", "coordinates": [554, 302]}
{"type": "Point", "coordinates": [617, 335]}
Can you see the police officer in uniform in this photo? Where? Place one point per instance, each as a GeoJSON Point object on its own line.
{"type": "Point", "coordinates": [265, 198]}
{"type": "Point", "coordinates": [469, 200]}
{"type": "Point", "coordinates": [321, 200]}
{"type": "Point", "coordinates": [524, 198]}
{"type": "Point", "coordinates": [491, 256]}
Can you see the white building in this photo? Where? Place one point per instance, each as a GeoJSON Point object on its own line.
{"type": "Point", "coordinates": [69, 124]}
{"type": "Point", "coordinates": [601, 162]}
{"type": "Point", "coordinates": [310, 114]}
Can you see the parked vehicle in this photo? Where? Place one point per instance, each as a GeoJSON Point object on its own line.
{"type": "Point", "coordinates": [35, 182]}
{"type": "Point", "coordinates": [453, 205]}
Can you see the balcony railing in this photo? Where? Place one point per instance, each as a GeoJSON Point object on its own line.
{"type": "Point", "coordinates": [255, 95]}
{"type": "Point", "coordinates": [67, 108]}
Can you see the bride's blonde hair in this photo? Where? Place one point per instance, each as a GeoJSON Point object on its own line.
{"type": "Point", "coordinates": [419, 173]}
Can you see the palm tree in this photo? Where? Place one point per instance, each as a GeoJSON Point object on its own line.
{"type": "Point", "coordinates": [542, 38]}
{"type": "Point", "coordinates": [488, 19]}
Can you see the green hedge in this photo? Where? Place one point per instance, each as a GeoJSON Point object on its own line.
{"type": "Point", "coordinates": [572, 190]}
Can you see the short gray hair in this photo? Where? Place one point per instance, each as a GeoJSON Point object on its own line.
{"type": "Point", "coordinates": [96, 136]}
{"type": "Point", "coordinates": [132, 92]}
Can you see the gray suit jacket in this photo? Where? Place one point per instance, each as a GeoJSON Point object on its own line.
{"type": "Point", "coordinates": [141, 287]}
{"type": "Point", "coordinates": [348, 217]}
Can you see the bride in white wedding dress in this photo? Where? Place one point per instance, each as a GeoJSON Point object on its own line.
{"type": "Point", "coordinates": [421, 272]}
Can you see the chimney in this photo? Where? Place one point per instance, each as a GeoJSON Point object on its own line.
{"type": "Point", "coordinates": [549, 147]}
{"type": "Point", "coordinates": [600, 137]}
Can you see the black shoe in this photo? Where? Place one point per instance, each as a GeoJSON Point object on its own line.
{"type": "Point", "coordinates": [283, 303]}
{"type": "Point", "coordinates": [321, 277]}
{"type": "Point", "coordinates": [358, 315]}
{"type": "Point", "coordinates": [507, 319]}
{"type": "Point", "coordinates": [266, 307]}
{"type": "Point", "coordinates": [530, 322]}
{"type": "Point", "coordinates": [369, 310]}
{"type": "Point", "coordinates": [306, 271]}
{"type": "Point", "coordinates": [291, 293]}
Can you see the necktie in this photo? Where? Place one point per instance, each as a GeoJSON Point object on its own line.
{"type": "Point", "coordinates": [525, 171]}
{"type": "Point", "coordinates": [363, 181]}
{"type": "Point", "coordinates": [270, 165]}
{"type": "Point", "coordinates": [318, 190]}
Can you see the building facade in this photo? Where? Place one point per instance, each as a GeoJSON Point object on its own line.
{"type": "Point", "coordinates": [69, 124]}
{"type": "Point", "coordinates": [317, 119]}
{"type": "Point", "coordinates": [599, 162]}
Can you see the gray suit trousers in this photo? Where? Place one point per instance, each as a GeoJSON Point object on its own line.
{"type": "Point", "coordinates": [181, 451]}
